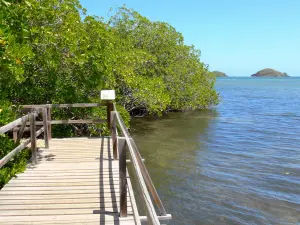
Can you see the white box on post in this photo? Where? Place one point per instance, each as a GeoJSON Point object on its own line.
{"type": "Point", "coordinates": [108, 95]}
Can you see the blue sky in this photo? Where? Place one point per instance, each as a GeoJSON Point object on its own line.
{"type": "Point", "coordinates": [235, 36]}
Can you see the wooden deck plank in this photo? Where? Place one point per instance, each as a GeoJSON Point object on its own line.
{"type": "Point", "coordinates": [57, 196]}
{"type": "Point", "coordinates": [76, 181]}
{"type": "Point", "coordinates": [65, 218]}
{"type": "Point", "coordinates": [56, 192]}
{"type": "Point", "coordinates": [75, 223]}
{"type": "Point", "coordinates": [63, 182]}
{"type": "Point", "coordinates": [74, 200]}
{"type": "Point", "coordinates": [109, 206]}
{"type": "Point", "coordinates": [40, 212]}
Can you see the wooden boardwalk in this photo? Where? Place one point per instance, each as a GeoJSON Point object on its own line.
{"type": "Point", "coordinates": [76, 181]}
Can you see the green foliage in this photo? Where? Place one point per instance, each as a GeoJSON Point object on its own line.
{"type": "Point", "coordinates": [51, 51]}
{"type": "Point", "coordinates": [155, 70]}
{"type": "Point", "coordinates": [14, 166]}
{"type": "Point", "coordinates": [7, 112]}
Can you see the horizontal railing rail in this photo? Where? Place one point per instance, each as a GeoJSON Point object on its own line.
{"type": "Point", "coordinates": [13, 124]}
{"type": "Point", "coordinates": [74, 105]}
{"type": "Point", "coordinates": [18, 126]}
{"type": "Point", "coordinates": [50, 122]}
{"type": "Point", "coordinates": [33, 135]}
{"type": "Point", "coordinates": [87, 121]}
{"type": "Point", "coordinates": [120, 146]}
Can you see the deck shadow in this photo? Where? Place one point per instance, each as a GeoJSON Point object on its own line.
{"type": "Point", "coordinates": [102, 212]}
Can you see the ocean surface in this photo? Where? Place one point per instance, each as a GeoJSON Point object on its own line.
{"type": "Point", "coordinates": [238, 163]}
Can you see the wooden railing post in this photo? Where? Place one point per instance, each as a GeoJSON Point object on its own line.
{"type": "Point", "coordinates": [15, 134]}
{"type": "Point", "coordinates": [109, 108]}
{"type": "Point", "coordinates": [21, 130]}
{"type": "Point", "coordinates": [122, 177]}
{"type": "Point", "coordinates": [113, 128]}
{"type": "Point", "coordinates": [45, 124]}
{"type": "Point", "coordinates": [49, 121]}
{"type": "Point", "coordinates": [33, 138]}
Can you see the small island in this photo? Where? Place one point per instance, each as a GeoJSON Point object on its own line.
{"type": "Point", "coordinates": [269, 73]}
{"type": "Point", "coordinates": [219, 74]}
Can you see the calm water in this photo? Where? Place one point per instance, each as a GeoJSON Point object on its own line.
{"type": "Point", "coordinates": [236, 164]}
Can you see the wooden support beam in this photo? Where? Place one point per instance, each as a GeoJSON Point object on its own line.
{"type": "Point", "coordinates": [33, 138]}
{"type": "Point", "coordinates": [21, 131]}
{"type": "Point", "coordinates": [123, 181]}
{"type": "Point", "coordinates": [45, 123]}
{"type": "Point", "coordinates": [49, 122]}
{"type": "Point", "coordinates": [13, 124]}
{"type": "Point", "coordinates": [39, 132]}
{"type": "Point", "coordinates": [114, 133]}
{"type": "Point", "coordinates": [15, 135]}
{"type": "Point", "coordinates": [109, 108]}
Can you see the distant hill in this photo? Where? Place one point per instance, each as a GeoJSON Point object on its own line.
{"type": "Point", "coordinates": [219, 74]}
{"type": "Point", "coordinates": [269, 73]}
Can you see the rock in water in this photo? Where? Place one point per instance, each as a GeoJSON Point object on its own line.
{"type": "Point", "coordinates": [219, 74]}
{"type": "Point", "coordinates": [269, 73]}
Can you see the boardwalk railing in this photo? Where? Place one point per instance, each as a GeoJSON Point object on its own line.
{"type": "Point", "coordinates": [19, 126]}
{"type": "Point", "coordinates": [121, 145]}
{"type": "Point", "coordinates": [124, 144]}
{"type": "Point", "coordinates": [33, 135]}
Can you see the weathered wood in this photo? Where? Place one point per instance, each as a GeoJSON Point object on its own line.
{"type": "Point", "coordinates": [25, 129]}
{"type": "Point", "coordinates": [52, 199]}
{"type": "Point", "coordinates": [45, 124]}
{"type": "Point", "coordinates": [70, 222]}
{"type": "Point", "coordinates": [87, 121]}
{"type": "Point", "coordinates": [61, 183]}
{"type": "Point", "coordinates": [114, 218]}
{"type": "Point", "coordinates": [15, 135]}
{"type": "Point", "coordinates": [67, 187]}
{"type": "Point", "coordinates": [114, 134]}
{"type": "Point", "coordinates": [21, 131]}
{"type": "Point", "coordinates": [109, 108]}
{"type": "Point", "coordinates": [49, 122]}
{"type": "Point", "coordinates": [129, 161]}
{"type": "Point", "coordinates": [123, 181]}
{"type": "Point", "coordinates": [13, 124]}
{"type": "Point", "coordinates": [111, 206]}
{"type": "Point", "coordinates": [40, 212]}
{"type": "Point", "coordinates": [75, 105]}
{"type": "Point", "coordinates": [96, 219]}
{"type": "Point", "coordinates": [39, 132]}
{"type": "Point", "coordinates": [160, 218]}
{"type": "Point", "coordinates": [71, 172]}
{"type": "Point", "coordinates": [33, 138]}
{"type": "Point", "coordinates": [145, 194]}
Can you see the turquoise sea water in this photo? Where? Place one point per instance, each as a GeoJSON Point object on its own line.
{"type": "Point", "coordinates": [238, 163]}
